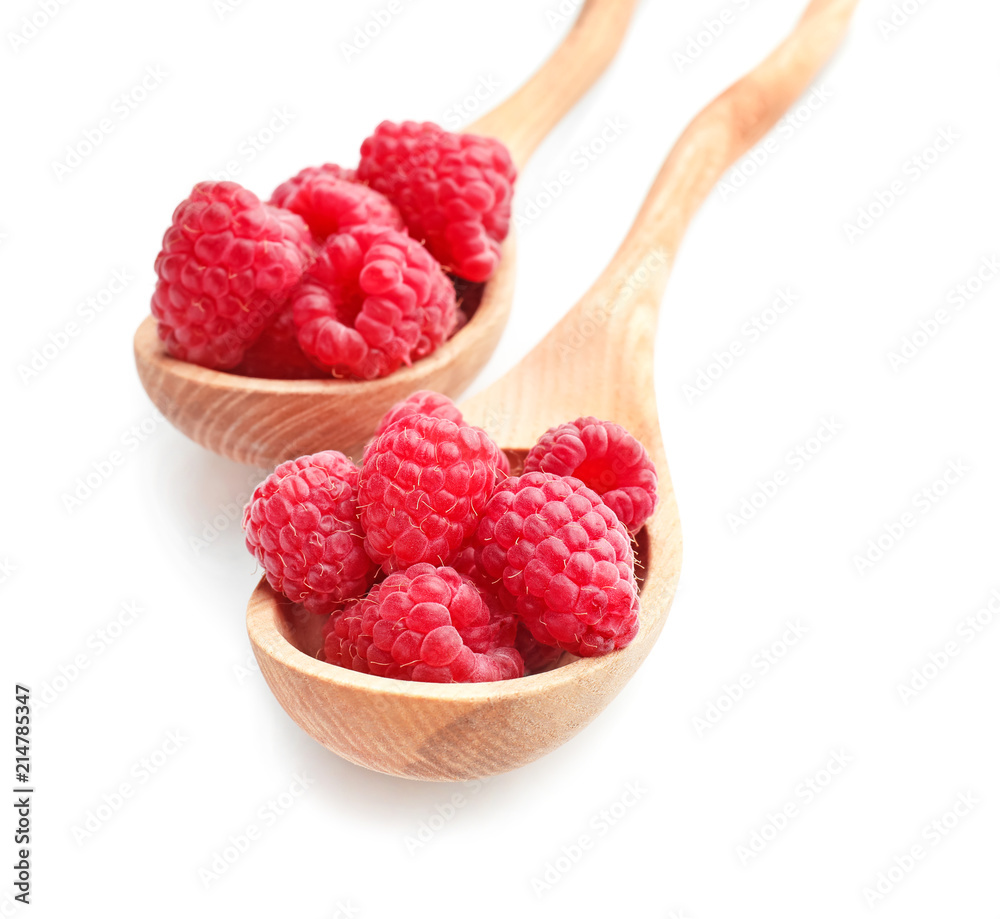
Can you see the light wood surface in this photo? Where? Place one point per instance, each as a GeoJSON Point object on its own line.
{"type": "Point", "coordinates": [264, 422]}
{"type": "Point", "coordinates": [598, 360]}
{"type": "Point", "coordinates": [524, 119]}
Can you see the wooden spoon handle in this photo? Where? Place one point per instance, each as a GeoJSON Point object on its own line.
{"type": "Point", "coordinates": [598, 360]}
{"type": "Point", "coordinates": [731, 124]}
{"type": "Point", "coordinates": [525, 118]}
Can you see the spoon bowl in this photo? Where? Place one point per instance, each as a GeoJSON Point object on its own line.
{"type": "Point", "coordinates": [598, 360]}
{"type": "Point", "coordinates": [262, 422]}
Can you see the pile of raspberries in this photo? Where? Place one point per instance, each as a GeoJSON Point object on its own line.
{"type": "Point", "coordinates": [433, 563]}
{"type": "Point", "coordinates": [349, 272]}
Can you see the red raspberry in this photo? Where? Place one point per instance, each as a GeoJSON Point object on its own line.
{"type": "Point", "coordinates": [330, 201]}
{"type": "Point", "coordinates": [537, 657]}
{"type": "Point", "coordinates": [466, 565]}
{"type": "Point", "coordinates": [276, 355]}
{"type": "Point", "coordinates": [289, 187]}
{"type": "Point", "coordinates": [503, 466]}
{"type": "Point", "coordinates": [302, 525]}
{"type": "Point", "coordinates": [296, 230]}
{"type": "Point", "coordinates": [428, 402]}
{"type": "Point", "coordinates": [604, 456]}
{"type": "Point", "coordinates": [453, 190]}
{"type": "Point", "coordinates": [564, 561]}
{"type": "Point", "coordinates": [343, 644]}
{"type": "Point", "coordinates": [226, 267]}
{"type": "Point", "coordinates": [373, 300]}
{"type": "Point", "coordinates": [423, 484]}
{"type": "Point", "coordinates": [421, 402]}
{"type": "Point", "coordinates": [421, 624]}
{"type": "Point", "coordinates": [503, 628]}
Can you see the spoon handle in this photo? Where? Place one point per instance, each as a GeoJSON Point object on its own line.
{"type": "Point", "coordinates": [729, 126]}
{"type": "Point", "coordinates": [524, 119]}
{"type": "Point", "coordinates": [598, 360]}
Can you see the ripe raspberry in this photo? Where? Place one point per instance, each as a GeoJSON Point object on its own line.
{"type": "Point", "coordinates": [536, 656]}
{"type": "Point", "coordinates": [289, 187]}
{"type": "Point", "coordinates": [466, 565]}
{"type": "Point", "coordinates": [608, 459]}
{"type": "Point", "coordinates": [226, 267]}
{"type": "Point", "coordinates": [373, 300]}
{"type": "Point", "coordinates": [503, 627]}
{"type": "Point", "coordinates": [342, 641]}
{"type": "Point", "coordinates": [296, 230]}
{"type": "Point", "coordinates": [302, 525]}
{"type": "Point", "coordinates": [421, 402]}
{"type": "Point", "coordinates": [428, 402]}
{"type": "Point", "coordinates": [503, 466]}
{"type": "Point", "coordinates": [423, 484]}
{"type": "Point", "coordinates": [453, 190]}
{"type": "Point", "coordinates": [420, 624]}
{"type": "Point", "coordinates": [276, 355]}
{"type": "Point", "coordinates": [564, 561]}
{"type": "Point", "coordinates": [331, 201]}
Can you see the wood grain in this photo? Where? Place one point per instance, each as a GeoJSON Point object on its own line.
{"type": "Point", "coordinates": [598, 360]}
{"type": "Point", "coordinates": [264, 422]}
{"type": "Point", "coordinates": [525, 119]}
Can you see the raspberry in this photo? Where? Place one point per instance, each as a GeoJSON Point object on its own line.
{"type": "Point", "coordinates": [466, 565]}
{"type": "Point", "coordinates": [373, 300]}
{"type": "Point", "coordinates": [608, 459]}
{"type": "Point", "coordinates": [330, 201]}
{"type": "Point", "coordinates": [342, 641]}
{"type": "Point", "coordinates": [564, 562]}
{"type": "Point", "coordinates": [428, 402]}
{"type": "Point", "coordinates": [302, 525]}
{"type": "Point", "coordinates": [276, 355]}
{"type": "Point", "coordinates": [328, 171]}
{"type": "Point", "coordinates": [421, 402]}
{"type": "Point", "coordinates": [297, 231]}
{"type": "Point", "coordinates": [226, 267]}
{"type": "Point", "coordinates": [423, 484]}
{"type": "Point", "coordinates": [536, 656]}
{"type": "Point", "coordinates": [420, 624]}
{"type": "Point", "coordinates": [503, 466]}
{"type": "Point", "coordinates": [453, 190]}
{"type": "Point", "coordinates": [503, 627]}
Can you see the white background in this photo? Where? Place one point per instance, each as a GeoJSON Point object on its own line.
{"type": "Point", "coordinates": [346, 845]}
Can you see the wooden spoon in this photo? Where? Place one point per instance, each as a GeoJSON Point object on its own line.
{"type": "Point", "coordinates": [264, 422]}
{"type": "Point", "coordinates": [598, 360]}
